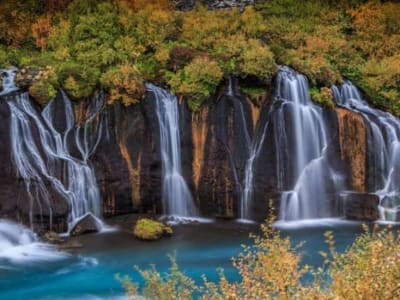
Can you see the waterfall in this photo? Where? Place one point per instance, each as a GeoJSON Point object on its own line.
{"type": "Point", "coordinates": [42, 157]}
{"type": "Point", "coordinates": [8, 76]}
{"type": "Point", "coordinates": [253, 145]}
{"type": "Point", "coordinates": [19, 245]}
{"type": "Point", "coordinates": [384, 147]}
{"type": "Point", "coordinates": [248, 180]}
{"type": "Point", "coordinates": [177, 199]}
{"type": "Point", "coordinates": [310, 186]}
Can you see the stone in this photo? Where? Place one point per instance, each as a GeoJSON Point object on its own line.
{"type": "Point", "coordinates": [25, 78]}
{"type": "Point", "coordinates": [361, 206]}
{"type": "Point", "coordinates": [70, 245]}
{"type": "Point", "coordinates": [150, 230]}
{"type": "Point", "coordinates": [88, 224]}
{"type": "Point", "coordinates": [353, 147]}
{"type": "Point", "coordinates": [52, 237]}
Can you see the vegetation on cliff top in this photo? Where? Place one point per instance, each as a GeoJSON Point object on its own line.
{"type": "Point", "coordinates": [119, 44]}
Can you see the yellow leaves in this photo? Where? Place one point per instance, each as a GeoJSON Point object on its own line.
{"type": "Point", "coordinates": [257, 60]}
{"type": "Point", "coordinates": [377, 28]}
{"type": "Point", "coordinates": [41, 30]}
{"type": "Point", "coordinates": [198, 80]}
{"type": "Point", "coordinates": [59, 36]}
{"type": "Point", "coordinates": [252, 23]}
{"type": "Point", "coordinates": [152, 26]}
{"type": "Point", "coordinates": [124, 84]}
{"type": "Point", "coordinates": [383, 77]}
{"type": "Point", "coordinates": [162, 55]}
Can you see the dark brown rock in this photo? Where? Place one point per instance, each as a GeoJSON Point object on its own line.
{"type": "Point", "coordinates": [361, 206]}
{"type": "Point", "coordinates": [353, 147]}
{"type": "Point", "coordinates": [88, 224]}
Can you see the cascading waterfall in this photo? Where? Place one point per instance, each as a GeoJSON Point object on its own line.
{"type": "Point", "coordinates": [177, 198]}
{"type": "Point", "coordinates": [19, 245]}
{"type": "Point", "coordinates": [248, 181]}
{"type": "Point", "coordinates": [310, 186]}
{"type": "Point", "coordinates": [41, 155]}
{"type": "Point", "coordinates": [253, 148]}
{"type": "Point", "coordinates": [384, 145]}
{"type": "Point", "coordinates": [8, 76]}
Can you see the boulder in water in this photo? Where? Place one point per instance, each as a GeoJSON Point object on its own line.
{"type": "Point", "coordinates": [87, 224]}
{"type": "Point", "coordinates": [150, 230]}
{"type": "Point", "coordinates": [70, 245]}
{"type": "Point", "coordinates": [52, 237]}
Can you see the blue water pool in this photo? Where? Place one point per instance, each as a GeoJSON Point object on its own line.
{"type": "Point", "coordinates": [200, 249]}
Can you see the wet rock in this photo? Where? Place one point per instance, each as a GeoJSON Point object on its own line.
{"type": "Point", "coordinates": [184, 5]}
{"type": "Point", "coordinates": [353, 147]}
{"type": "Point", "coordinates": [70, 245]}
{"type": "Point", "coordinates": [361, 206]}
{"type": "Point", "coordinates": [26, 77]}
{"type": "Point", "coordinates": [88, 224]}
{"type": "Point", "coordinates": [150, 230]}
{"type": "Point", "coordinates": [52, 237]}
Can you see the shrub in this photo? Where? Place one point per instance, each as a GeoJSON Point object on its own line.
{"type": "Point", "coordinates": [198, 80]}
{"type": "Point", "coordinates": [257, 60]}
{"type": "Point", "coordinates": [77, 81]}
{"type": "Point", "coordinates": [147, 229]}
{"type": "Point", "coordinates": [322, 97]}
{"type": "Point", "coordinates": [42, 91]}
{"type": "Point", "coordinates": [382, 76]}
{"type": "Point", "coordinates": [271, 269]}
{"type": "Point", "coordinates": [124, 83]}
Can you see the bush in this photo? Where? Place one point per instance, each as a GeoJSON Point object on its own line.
{"type": "Point", "coordinates": [257, 60]}
{"type": "Point", "coordinates": [272, 269]}
{"type": "Point", "coordinates": [322, 97]}
{"type": "Point", "coordinates": [77, 81]}
{"type": "Point", "coordinates": [42, 91]}
{"type": "Point", "coordinates": [149, 230]}
{"type": "Point", "coordinates": [198, 80]}
{"type": "Point", "coordinates": [124, 84]}
{"type": "Point", "coordinates": [382, 77]}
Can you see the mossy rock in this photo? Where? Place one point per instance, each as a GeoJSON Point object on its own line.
{"type": "Point", "coordinates": [42, 91]}
{"type": "Point", "coordinates": [150, 230]}
{"type": "Point", "coordinates": [26, 77]}
{"type": "Point", "coordinates": [323, 97]}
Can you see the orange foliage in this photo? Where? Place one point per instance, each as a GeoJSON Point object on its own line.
{"type": "Point", "coordinates": [40, 31]}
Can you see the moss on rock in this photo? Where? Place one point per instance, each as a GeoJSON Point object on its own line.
{"type": "Point", "coordinates": [42, 91]}
{"type": "Point", "coordinates": [150, 230]}
{"type": "Point", "coordinates": [322, 97]}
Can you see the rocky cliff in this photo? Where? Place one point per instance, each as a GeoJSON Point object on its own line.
{"type": "Point", "coordinates": [215, 145]}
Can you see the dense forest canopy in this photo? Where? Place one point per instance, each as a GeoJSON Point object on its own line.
{"type": "Point", "coordinates": [119, 44]}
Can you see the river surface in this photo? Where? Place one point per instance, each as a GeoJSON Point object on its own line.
{"type": "Point", "coordinates": [200, 249]}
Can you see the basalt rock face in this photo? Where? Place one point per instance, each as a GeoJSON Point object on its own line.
{"type": "Point", "coordinates": [215, 145]}
{"type": "Point", "coordinates": [15, 202]}
{"type": "Point", "coordinates": [353, 147]}
{"type": "Point", "coordinates": [361, 206]}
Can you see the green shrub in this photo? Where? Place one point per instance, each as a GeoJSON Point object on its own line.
{"type": "Point", "coordinates": [123, 83]}
{"type": "Point", "coordinates": [42, 91]}
{"type": "Point", "coordinates": [197, 80]}
{"type": "Point", "coordinates": [147, 229]}
{"type": "Point", "coordinates": [322, 97]}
